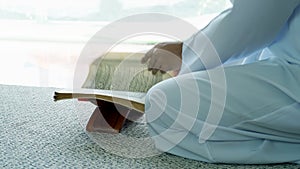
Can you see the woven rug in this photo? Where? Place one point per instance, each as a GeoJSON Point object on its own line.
{"type": "Point", "coordinates": [37, 132]}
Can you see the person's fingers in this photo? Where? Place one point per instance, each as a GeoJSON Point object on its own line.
{"type": "Point", "coordinates": [162, 72]}
{"type": "Point", "coordinates": [152, 62]}
{"type": "Point", "coordinates": [163, 69]}
{"type": "Point", "coordinates": [159, 68]}
{"type": "Point", "coordinates": [147, 56]}
{"type": "Point", "coordinates": [154, 71]}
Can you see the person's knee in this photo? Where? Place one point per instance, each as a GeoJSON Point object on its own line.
{"type": "Point", "coordinates": [161, 104]}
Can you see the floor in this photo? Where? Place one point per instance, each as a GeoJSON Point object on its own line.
{"type": "Point", "coordinates": [36, 132]}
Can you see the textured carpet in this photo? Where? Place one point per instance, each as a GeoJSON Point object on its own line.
{"type": "Point", "coordinates": [36, 132]}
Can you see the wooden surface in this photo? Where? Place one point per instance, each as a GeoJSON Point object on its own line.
{"type": "Point", "coordinates": [109, 117]}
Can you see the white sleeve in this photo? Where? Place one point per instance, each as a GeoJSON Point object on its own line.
{"type": "Point", "coordinates": [248, 26]}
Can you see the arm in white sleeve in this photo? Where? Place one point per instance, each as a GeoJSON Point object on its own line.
{"type": "Point", "coordinates": [248, 26]}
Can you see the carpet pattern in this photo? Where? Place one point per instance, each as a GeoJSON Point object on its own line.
{"type": "Point", "coordinates": [36, 132]}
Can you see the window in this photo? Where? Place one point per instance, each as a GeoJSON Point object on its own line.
{"type": "Point", "coordinates": [41, 39]}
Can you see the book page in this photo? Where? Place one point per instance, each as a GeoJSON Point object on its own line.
{"type": "Point", "coordinates": [122, 74]}
{"type": "Point", "coordinates": [138, 97]}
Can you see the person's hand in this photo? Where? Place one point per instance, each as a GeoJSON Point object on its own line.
{"type": "Point", "coordinates": [164, 57]}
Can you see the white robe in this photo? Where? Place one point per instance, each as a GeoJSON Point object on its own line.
{"type": "Point", "coordinates": [245, 112]}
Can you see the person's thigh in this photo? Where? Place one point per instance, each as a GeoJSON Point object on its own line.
{"type": "Point", "coordinates": [261, 103]}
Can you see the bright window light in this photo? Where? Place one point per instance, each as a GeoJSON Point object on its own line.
{"type": "Point", "coordinates": [41, 39]}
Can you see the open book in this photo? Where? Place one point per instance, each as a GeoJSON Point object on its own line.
{"type": "Point", "coordinates": [118, 78]}
{"type": "Point", "coordinates": [114, 84]}
{"type": "Point", "coordinates": [131, 100]}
